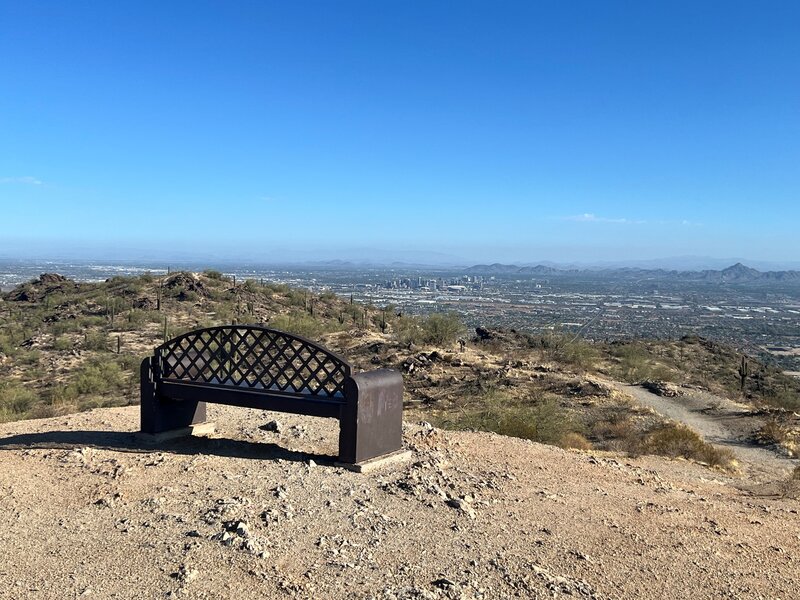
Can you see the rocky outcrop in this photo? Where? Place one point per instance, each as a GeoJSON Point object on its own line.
{"type": "Point", "coordinates": [662, 388]}
{"type": "Point", "coordinates": [182, 283]}
{"type": "Point", "coordinates": [45, 285]}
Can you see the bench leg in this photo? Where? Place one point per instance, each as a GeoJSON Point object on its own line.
{"type": "Point", "coordinates": [162, 414]}
{"type": "Point", "coordinates": [371, 423]}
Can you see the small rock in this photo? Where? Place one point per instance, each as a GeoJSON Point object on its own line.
{"type": "Point", "coordinates": [185, 574]}
{"type": "Point", "coordinates": [443, 583]}
{"type": "Point", "coordinates": [224, 537]}
{"type": "Point", "coordinates": [242, 530]}
{"type": "Point", "coordinates": [297, 431]}
{"type": "Point", "coordinates": [273, 427]}
{"type": "Point", "coordinates": [462, 505]}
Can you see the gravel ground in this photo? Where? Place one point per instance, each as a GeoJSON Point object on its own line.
{"type": "Point", "coordinates": [87, 511]}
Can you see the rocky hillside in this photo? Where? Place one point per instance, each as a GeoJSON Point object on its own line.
{"type": "Point", "coordinates": [259, 510]}
{"type": "Point", "coordinates": [87, 510]}
{"type": "Point", "coordinates": [68, 346]}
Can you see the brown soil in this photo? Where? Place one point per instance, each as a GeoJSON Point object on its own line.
{"type": "Point", "coordinates": [86, 510]}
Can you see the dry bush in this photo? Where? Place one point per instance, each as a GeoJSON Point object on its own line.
{"type": "Point", "coordinates": [542, 421]}
{"type": "Point", "coordinates": [15, 401]}
{"type": "Point", "coordinates": [618, 429]}
{"type": "Point", "coordinates": [95, 340]}
{"type": "Point", "coordinates": [679, 441]}
{"type": "Point", "coordinates": [438, 329]}
{"type": "Point", "coordinates": [772, 432]}
{"type": "Point", "coordinates": [302, 324]}
{"type": "Point", "coordinates": [576, 441]}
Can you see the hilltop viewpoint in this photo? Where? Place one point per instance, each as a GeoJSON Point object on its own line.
{"type": "Point", "coordinates": [541, 465]}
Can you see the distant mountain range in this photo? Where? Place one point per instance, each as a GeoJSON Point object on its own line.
{"type": "Point", "coordinates": [737, 273]}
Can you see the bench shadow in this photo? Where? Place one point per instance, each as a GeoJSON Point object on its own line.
{"type": "Point", "coordinates": [120, 441]}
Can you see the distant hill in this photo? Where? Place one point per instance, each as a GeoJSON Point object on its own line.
{"type": "Point", "coordinates": [737, 273]}
{"type": "Point", "coordinates": [515, 269]}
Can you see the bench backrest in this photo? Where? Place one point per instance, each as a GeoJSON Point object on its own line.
{"type": "Point", "coordinates": [254, 358]}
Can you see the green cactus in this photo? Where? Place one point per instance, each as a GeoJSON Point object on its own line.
{"type": "Point", "coordinates": [744, 371]}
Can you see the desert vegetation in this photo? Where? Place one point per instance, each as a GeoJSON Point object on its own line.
{"type": "Point", "coordinates": [67, 346]}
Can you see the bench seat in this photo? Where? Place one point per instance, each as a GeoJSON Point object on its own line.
{"type": "Point", "coordinates": [256, 367]}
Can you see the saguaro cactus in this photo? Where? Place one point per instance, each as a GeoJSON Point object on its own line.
{"type": "Point", "coordinates": [744, 371]}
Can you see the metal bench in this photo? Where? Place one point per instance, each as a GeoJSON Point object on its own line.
{"type": "Point", "coordinates": [257, 367]}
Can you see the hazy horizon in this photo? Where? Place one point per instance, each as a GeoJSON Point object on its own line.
{"type": "Point", "coordinates": [374, 257]}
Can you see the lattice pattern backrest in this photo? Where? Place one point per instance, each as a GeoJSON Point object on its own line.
{"type": "Point", "coordinates": [253, 357]}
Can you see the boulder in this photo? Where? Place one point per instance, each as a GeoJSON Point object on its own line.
{"type": "Point", "coordinates": [662, 388]}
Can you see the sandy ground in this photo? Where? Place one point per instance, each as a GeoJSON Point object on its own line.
{"type": "Point", "coordinates": [87, 511]}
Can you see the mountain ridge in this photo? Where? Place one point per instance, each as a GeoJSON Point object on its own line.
{"type": "Point", "coordinates": [735, 273]}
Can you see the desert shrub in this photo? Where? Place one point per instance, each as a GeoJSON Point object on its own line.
{"type": "Point", "coordinates": [300, 324]}
{"type": "Point", "coordinates": [15, 400]}
{"type": "Point", "coordinates": [442, 328]}
{"type": "Point", "coordinates": [785, 397]}
{"type": "Point", "coordinates": [87, 322]}
{"type": "Point", "coordinates": [355, 312]}
{"type": "Point", "coordinates": [575, 440]}
{"type": "Point", "coordinates": [189, 296]}
{"type": "Point", "coordinates": [560, 347]}
{"type": "Point", "coordinates": [634, 364]}
{"type": "Point", "coordinates": [133, 320]}
{"type": "Point", "coordinates": [214, 274]}
{"type": "Point", "coordinates": [772, 432]}
{"type": "Point", "coordinates": [95, 340]}
{"type": "Point", "coordinates": [129, 362]}
{"type": "Point", "coordinates": [439, 329]}
{"type": "Point", "coordinates": [42, 410]}
{"type": "Point", "coordinates": [276, 288]}
{"type": "Point", "coordinates": [96, 377]}
{"type": "Point", "coordinates": [155, 316]}
{"type": "Point", "coordinates": [8, 345]}
{"type": "Point", "coordinates": [65, 326]}
{"type": "Point", "coordinates": [327, 296]}
{"type": "Point", "coordinates": [250, 285]}
{"type": "Point", "coordinates": [128, 288]}
{"type": "Point", "coordinates": [541, 420]}
{"type": "Point", "coordinates": [28, 358]}
{"type": "Point", "coordinates": [296, 297]}
{"type": "Point", "coordinates": [225, 312]}
{"type": "Point", "coordinates": [408, 330]}
{"type": "Point", "coordinates": [173, 292]}
{"type": "Point", "coordinates": [615, 429]}
{"type": "Point", "coordinates": [62, 343]}
{"type": "Point", "coordinates": [679, 441]}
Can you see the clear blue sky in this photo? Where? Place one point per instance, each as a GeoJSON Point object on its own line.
{"type": "Point", "coordinates": [482, 130]}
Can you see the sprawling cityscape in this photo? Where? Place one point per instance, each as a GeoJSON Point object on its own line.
{"type": "Point", "coordinates": [759, 315]}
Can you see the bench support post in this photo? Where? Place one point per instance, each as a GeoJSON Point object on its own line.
{"type": "Point", "coordinates": [371, 422]}
{"type": "Point", "coordinates": [162, 414]}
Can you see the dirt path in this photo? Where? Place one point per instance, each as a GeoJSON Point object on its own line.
{"type": "Point", "coordinates": [721, 422]}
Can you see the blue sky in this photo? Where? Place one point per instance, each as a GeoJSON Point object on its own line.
{"type": "Point", "coordinates": [485, 131]}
